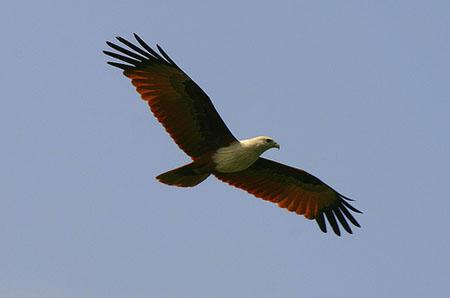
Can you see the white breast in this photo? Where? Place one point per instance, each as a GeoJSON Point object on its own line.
{"type": "Point", "coordinates": [235, 157]}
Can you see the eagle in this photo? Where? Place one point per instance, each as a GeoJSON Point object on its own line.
{"type": "Point", "coordinates": [188, 115]}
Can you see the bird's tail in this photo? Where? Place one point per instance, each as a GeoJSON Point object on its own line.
{"type": "Point", "coordinates": [185, 176]}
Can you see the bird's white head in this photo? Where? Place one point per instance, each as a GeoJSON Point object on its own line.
{"type": "Point", "coordinates": [262, 143]}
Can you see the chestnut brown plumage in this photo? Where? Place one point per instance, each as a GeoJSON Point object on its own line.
{"type": "Point", "coordinates": [295, 190]}
{"type": "Point", "coordinates": [181, 106]}
{"type": "Point", "coordinates": [190, 118]}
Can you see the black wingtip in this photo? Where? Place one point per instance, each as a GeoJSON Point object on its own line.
{"type": "Point", "coordinates": [119, 65]}
{"type": "Point", "coordinates": [136, 36]}
{"type": "Point", "coordinates": [349, 216]}
{"type": "Point", "coordinates": [351, 207]}
{"type": "Point", "coordinates": [148, 48]}
{"type": "Point", "coordinates": [321, 222]}
{"type": "Point", "coordinates": [342, 220]}
{"type": "Point", "coordinates": [135, 48]}
{"type": "Point", "coordinates": [139, 54]}
{"type": "Point", "coordinates": [166, 56]}
{"type": "Point", "coordinates": [347, 198]}
{"type": "Point", "coordinates": [332, 220]}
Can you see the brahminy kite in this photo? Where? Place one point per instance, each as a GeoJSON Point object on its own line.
{"type": "Point", "coordinates": [188, 115]}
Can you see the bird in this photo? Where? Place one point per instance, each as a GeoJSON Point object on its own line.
{"type": "Point", "coordinates": [190, 118]}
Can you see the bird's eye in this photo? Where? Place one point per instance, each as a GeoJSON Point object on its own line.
{"type": "Point", "coordinates": [268, 140]}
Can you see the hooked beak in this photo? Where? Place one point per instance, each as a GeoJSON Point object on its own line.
{"type": "Point", "coordinates": [276, 145]}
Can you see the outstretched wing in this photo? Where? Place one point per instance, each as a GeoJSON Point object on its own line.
{"type": "Point", "coordinates": [295, 190]}
{"type": "Point", "coordinates": [185, 111]}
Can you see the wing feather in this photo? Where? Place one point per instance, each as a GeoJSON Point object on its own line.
{"type": "Point", "coordinates": [295, 190]}
{"type": "Point", "coordinates": [179, 104]}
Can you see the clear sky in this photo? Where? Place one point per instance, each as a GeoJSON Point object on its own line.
{"type": "Point", "coordinates": [356, 92]}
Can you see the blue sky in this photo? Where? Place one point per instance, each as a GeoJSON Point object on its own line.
{"type": "Point", "coordinates": [356, 92]}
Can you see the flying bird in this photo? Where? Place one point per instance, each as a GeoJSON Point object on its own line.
{"type": "Point", "coordinates": [189, 116]}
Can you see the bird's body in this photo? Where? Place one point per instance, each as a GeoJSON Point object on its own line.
{"type": "Point", "coordinates": [240, 155]}
{"type": "Point", "coordinates": [235, 157]}
{"type": "Point", "coordinates": [188, 115]}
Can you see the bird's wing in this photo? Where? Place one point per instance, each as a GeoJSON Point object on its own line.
{"type": "Point", "coordinates": [295, 190]}
{"type": "Point", "coordinates": [185, 111]}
